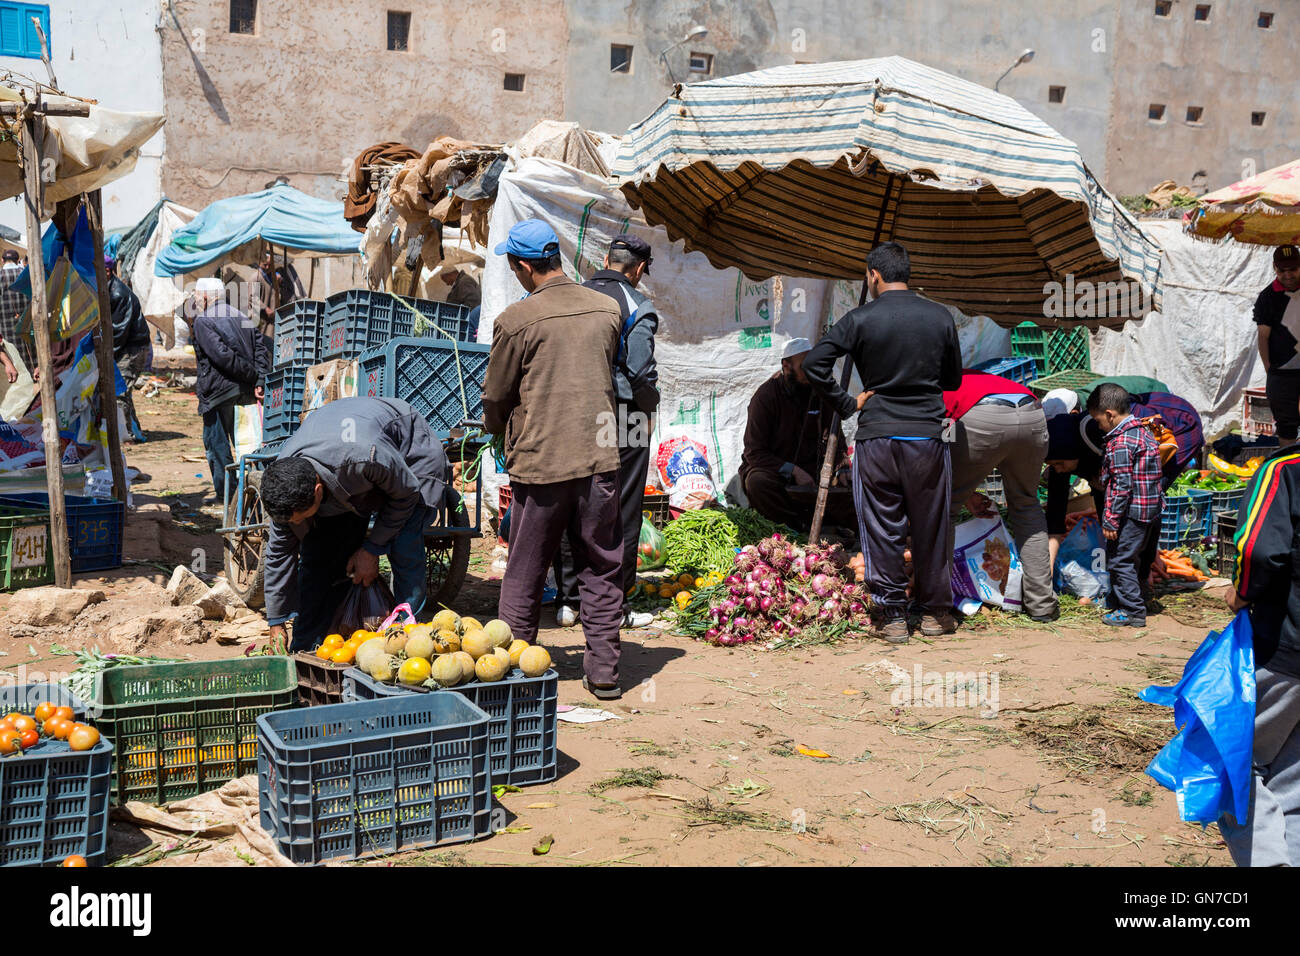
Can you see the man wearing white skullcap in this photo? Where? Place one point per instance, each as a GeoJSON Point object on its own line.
{"type": "Point", "coordinates": [784, 440]}
{"type": "Point", "coordinates": [232, 358]}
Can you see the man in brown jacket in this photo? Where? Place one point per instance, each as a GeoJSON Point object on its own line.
{"type": "Point", "coordinates": [549, 388]}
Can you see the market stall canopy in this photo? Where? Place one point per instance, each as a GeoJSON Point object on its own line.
{"type": "Point", "coordinates": [89, 152]}
{"type": "Point", "coordinates": [1263, 210]}
{"type": "Point", "coordinates": [281, 216]}
{"type": "Point", "coordinates": [794, 169]}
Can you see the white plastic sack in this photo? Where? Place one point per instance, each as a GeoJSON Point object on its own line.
{"type": "Point", "coordinates": [985, 565]}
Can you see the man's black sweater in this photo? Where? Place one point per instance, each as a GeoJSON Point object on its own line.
{"type": "Point", "coordinates": [906, 351]}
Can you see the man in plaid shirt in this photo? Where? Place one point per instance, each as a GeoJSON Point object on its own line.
{"type": "Point", "coordinates": [12, 306]}
{"type": "Point", "coordinates": [1130, 478]}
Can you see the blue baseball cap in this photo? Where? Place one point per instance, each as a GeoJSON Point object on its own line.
{"type": "Point", "coordinates": [530, 239]}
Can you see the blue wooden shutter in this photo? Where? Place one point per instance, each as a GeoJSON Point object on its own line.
{"type": "Point", "coordinates": [18, 35]}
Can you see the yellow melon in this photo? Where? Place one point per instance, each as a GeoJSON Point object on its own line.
{"type": "Point", "coordinates": [382, 667]}
{"type": "Point", "coordinates": [516, 648]}
{"type": "Point", "coordinates": [419, 644]}
{"type": "Point", "coordinates": [395, 640]}
{"type": "Point", "coordinates": [476, 644]}
{"type": "Point", "coordinates": [490, 667]}
{"type": "Point", "coordinates": [467, 624]}
{"type": "Point", "coordinates": [466, 665]}
{"type": "Point", "coordinates": [447, 670]}
{"type": "Point", "coordinates": [503, 655]}
{"type": "Point", "coordinates": [448, 639]}
{"type": "Point", "coordinates": [445, 618]}
{"type": "Point", "coordinates": [499, 631]}
{"type": "Point", "coordinates": [534, 661]}
{"type": "Point", "coordinates": [414, 670]}
{"type": "Point", "coordinates": [369, 650]}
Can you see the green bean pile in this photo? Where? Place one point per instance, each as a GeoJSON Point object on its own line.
{"type": "Point", "coordinates": [706, 540]}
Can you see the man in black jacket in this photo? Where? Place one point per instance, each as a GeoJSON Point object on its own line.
{"type": "Point", "coordinates": [636, 380]}
{"type": "Point", "coordinates": [1265, 581]}
{"type": "Point", "coordinates": [131, 348]}
{"type": "Point", "coordinates": [1277, 314]}
{"type": "Point", "coordinates": [906, 352]}
{"type": "Point", "coordinates": [232, 359]}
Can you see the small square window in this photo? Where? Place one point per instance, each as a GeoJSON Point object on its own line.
{"type": "Point", "coordinates": [399, 30]}
{"type": "Point", "coordinates": [243, 16]}
{"type": "Point", "coordinates": [620, 58]}
{"type": "Point", "coordinates": [1056, 94]}
{"type": "Point", "coordinates": [1194, 114]}
{"type": "Point", "coordinates": [1265, 21]}
{"type": "Point", "coordinates": [1156, 111]}
{"type": "Point", "coordinates": [1202, 12]}
{"type": "Point", "coordinates": [701, 63]}
{"type": "Point", "coordinates": [1164, 7]}
{"type": "Point", "coordinates": [515, 82]}
{"type": "Point", "coordinates": [1257, 118]}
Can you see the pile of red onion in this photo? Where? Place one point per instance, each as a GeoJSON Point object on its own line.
{"type": "Point", "coordinates": [777, 588]}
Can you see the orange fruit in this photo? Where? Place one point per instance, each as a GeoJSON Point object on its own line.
{"type": "Point", "coordinates": [333, 640]}
{"type": "Point", "coordinates": [665, 592]}
{"type": "Point", "coordinates": [324, 652]}
{"type": "Point", "coordinates": [360, 635]}
{"type": "Point", "coordinates": [344, 654]}
{"type": "Point", "coordinates": [685, 580]}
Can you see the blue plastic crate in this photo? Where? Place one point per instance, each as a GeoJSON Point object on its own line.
{"type": "Point", "coordinates": [521, 719]}
{"type": "Point", "coordinates": [282, 402]}
{"type": "Point", "coordinates": [429, 373]}
{"type": "Point", "coordinates": [1186, 518]}
{"type": "Point", "coordinates": [299, 327]}
{"type": "Point", "coordinates": [94, 526]}
{"type": "Point", "coordinates": [53, 802]}
{"type": "Point", "coordinates": [1019, 370]}
{"type": "Point", "coordinates": [346, 781]}
{"type": "Point", "coordinates": [1227, 500]}
{"type": "Point", "coordinates": [358, 320]}
{"type": "Point", "coordinates": [440, 320]}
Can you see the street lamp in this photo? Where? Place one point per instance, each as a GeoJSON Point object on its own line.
{"type": "Point", "coordinates": [695, 33]}
{"type": "Point", "coordinates": [1025, 56]}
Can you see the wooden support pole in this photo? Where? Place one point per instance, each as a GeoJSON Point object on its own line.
{"type": "Point", "coordinates": [33, 201]}
{"type": "Point", "coordinates": [104, 347]}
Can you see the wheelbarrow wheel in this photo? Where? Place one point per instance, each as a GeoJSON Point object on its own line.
{"type": "Point", "coordinates": [243, 549]}
{"type": "Point", "coordinates": [447, 561]}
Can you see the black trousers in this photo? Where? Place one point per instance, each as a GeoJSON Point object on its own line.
{"type": "Point", "coordinates": [633, 466]}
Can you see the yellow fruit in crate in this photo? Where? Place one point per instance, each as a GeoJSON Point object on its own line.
{"type": "Point", "coordinates": [683, 598]}
{"type": "Point", "coordinates": [699, 583]}
{"type": "Point", "coordinates": [360, 635]}
{"type": "Point", "coordinates": [414, 670]}
{"type": "Point", "coordinates": [534, 661]}
{"type": "Point", "coordinates": [444, 619]}
{"type": "Point", "coordinates": [467, 624]}
{"type": "Point", "coordinates": [409, 625]}
{"type": "Point", "coordinates": [333, 640]}
{"type": "Point", "coordinates": [343, 655]}
{"type": "Point", "coordinates": [325, 651]}
{"type": "Point", "coordinates": [447, 640]}
{"type": "Point", "coordinates": [395, 640]}
{"type": "Point", "coordinates": [466, 665]}
{"type": "Point", "coordinates": [501, 654]}
{"type": "Point", "coordinates": [476, 644]}
{"type": "Point", "coordinates": [447, 670]}
{"type": "Point", "coordinates": [499, 631]}
{"type": "Point", "coordinates": [489, 668]}
{"type": "Point", "coordinates": [382, 668]}
{"type": "Point", "coordinates": [420, 644]}
{"type": "Point", "coordinates": [368, 650]}
{"type": "Point", "coordinates": [517, 647]}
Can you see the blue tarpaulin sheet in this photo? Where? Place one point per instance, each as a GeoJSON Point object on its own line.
{"type": "Point", "coordinates": [282, 216]}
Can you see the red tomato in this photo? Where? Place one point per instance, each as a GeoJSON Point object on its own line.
{"type": "Point", "coordinates": [11, 715]}
{"type": "Point", "coordinates": [30, 738]}
{"type": "Point", "coordinates": [63, 729]}
{"type": "Point", "coordinates": [83, 737]}
{"type": "Point", "coordinates": [23, 723]}
{"type": "Point", "coordinates": [11, 742]}
{"type": "Point", "coordinates": [44, 711]}
{"type": "Point", "coordinates": [75, 860]}
{"type": "Point", "coordinates": [6, 724]}
{"type": "Point", "coordinates": [63, 713]}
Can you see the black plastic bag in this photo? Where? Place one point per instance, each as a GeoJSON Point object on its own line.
{"type": "Point", "coordinates": [364, 608]}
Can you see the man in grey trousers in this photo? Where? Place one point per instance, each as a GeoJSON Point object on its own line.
{"type": "Point", "coordinates": [997, 423]}
{"type": "Point", "coordinates": [1265, 581]}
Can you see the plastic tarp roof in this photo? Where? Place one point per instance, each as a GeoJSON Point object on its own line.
{"type": "Point", "coordinates": [282, 216]}
{"type": "Point", "coordinates": [89, 152]}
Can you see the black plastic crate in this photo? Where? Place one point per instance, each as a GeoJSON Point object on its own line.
{"type": "Point", "coordinates": [430, 373]}
{"type": "Point", "coordinates": [320, 681]}
{"type": "Point", "coordinates": [299, 327]}
{"type": "Point", "coordinates": [94, 526]}
{"type": "Point", "coordinates": [282, 402]}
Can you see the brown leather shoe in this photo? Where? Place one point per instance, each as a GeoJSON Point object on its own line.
{"type": "Point", "coordinates": [892, 629]}
{"type": "Point", "coordinates": [936, 625]}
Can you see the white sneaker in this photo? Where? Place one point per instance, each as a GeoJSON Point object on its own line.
{"type": "Point", "coordinates": [565, 616]}
{"type": "Point", "coordinates": [638, 619]}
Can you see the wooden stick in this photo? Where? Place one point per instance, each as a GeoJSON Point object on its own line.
{"type": "Point", "coordinates": [104, 347]}
{"type": "Point", "coordinates": [49, 109]}
{"type": "Point", "coordinates": [33, 201]}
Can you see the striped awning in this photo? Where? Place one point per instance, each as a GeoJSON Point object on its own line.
{"type": "Point", "coordinates": [799, 170]}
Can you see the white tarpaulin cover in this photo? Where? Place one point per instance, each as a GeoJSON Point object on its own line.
{"type": "Point", "coordinates": [1202, 344]}
{"type": "Point", "coordinates": [720, 334]}
{"type": "Point", "coordinates": [160, 297]}
{"type": "Point", "coordinates": [88, 152]}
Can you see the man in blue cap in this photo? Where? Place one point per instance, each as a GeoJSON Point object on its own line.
{"type": "Point", "coordinates": [549, 390]}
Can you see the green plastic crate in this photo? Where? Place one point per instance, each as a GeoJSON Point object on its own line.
{"type": "Point", "coordinates": [1070, 378]}
{"type": "Point", "coordinates": [25, 558]}
{"type": "Point", "coordinates": [1053, 350]}
{"type": "Point", "coordinates": [179, 730]}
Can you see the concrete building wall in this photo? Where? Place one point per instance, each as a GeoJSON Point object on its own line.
{"type": "Point", "coordinates": [1226, 65]}
{"type": "Point", "coordinates": [112, 56]}
{"type": "Point", "coordinates": [316, 84]}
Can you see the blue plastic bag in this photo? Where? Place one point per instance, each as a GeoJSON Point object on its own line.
{"type": "Point", "coordinates": [1208, 764]}
{"type": "Point", "coordinates": [1081, 562]}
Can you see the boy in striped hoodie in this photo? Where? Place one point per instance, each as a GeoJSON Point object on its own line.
{"type": "Point", "coordinates": [1266, 581]}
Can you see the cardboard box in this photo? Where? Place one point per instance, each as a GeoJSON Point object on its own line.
{"type": "Point", "coordinates": [327, 382]}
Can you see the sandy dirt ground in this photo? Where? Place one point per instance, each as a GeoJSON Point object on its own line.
{"type": "Point", "coordinates": [704, 764]}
